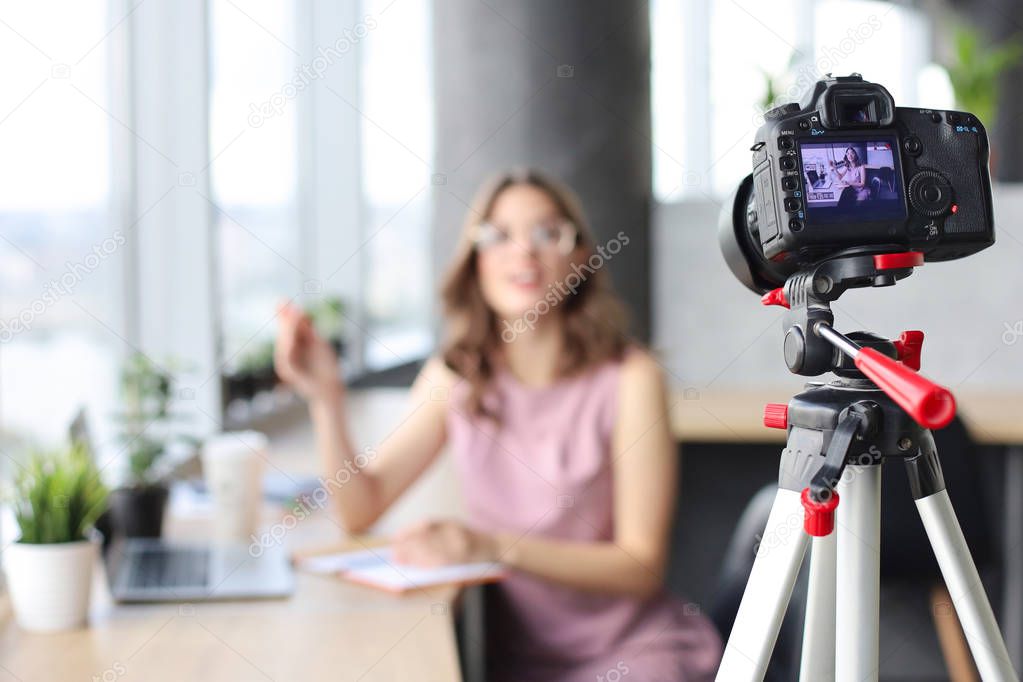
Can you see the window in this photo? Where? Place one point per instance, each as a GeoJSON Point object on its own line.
{"type": "Point", "coordinates": [339, 167]}
{"type": "Point", "coordinates": [60, 245]}
{"type": "Point", "coordinates": [750, 42]}
{"type": "Point", "coordinates": [282, 187]}
{"type": "Point", "coordinates": [253, 168]}
{"type": "Point", "coordinates": [669, 82]}
{"type": "Point", "coordinates": [885, 43]}
{"type": "Point", "coordinates": [715, 61]}
{"type": "Point", "coordinates": [397, 156]}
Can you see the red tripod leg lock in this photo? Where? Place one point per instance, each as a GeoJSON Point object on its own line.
{"type": "Point", "coordinates": [818, 517]}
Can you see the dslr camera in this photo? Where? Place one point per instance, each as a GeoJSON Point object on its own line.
{"type": "Point", "coordinates": [845, 169]}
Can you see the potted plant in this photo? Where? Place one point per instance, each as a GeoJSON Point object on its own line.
{"type": "Point", "coordinates": [976, 72]}
{"type": "Point", "coordinates": [137, 507]}
{"type": "Point", "coordinates": [328, 318]}
{"type": "Point", "coordinates": [57, 498]}
{"type": "Point", "coordinates": [978, 65]}
{"type": "Point", "coordinates": [253, 373]}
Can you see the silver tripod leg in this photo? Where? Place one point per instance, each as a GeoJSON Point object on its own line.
{"type": "Point", "coordinates": [963, 582]}
{"type": "Point", "coordinates": [857, 603]}
{"type": "Point", "coordinates": [767, 593]}
{"type": "Point", "coordinates": [817, 662]}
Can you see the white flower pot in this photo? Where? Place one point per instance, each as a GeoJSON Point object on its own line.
{"type": "Point", "coordinates": [50, 584]}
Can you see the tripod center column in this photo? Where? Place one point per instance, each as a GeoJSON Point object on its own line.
{"type": "Point", "coordinates": [857, 599]}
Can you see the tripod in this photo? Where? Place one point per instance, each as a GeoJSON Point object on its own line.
{"type": "Point", "coordinates": [839, 435]}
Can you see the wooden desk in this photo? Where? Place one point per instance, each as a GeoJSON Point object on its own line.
{"type": "Point", "coordinates": [328, 629]}
{"type": "Point", "coordinates": [993, 418]}
{"type": "Point", "coordinates": [737, 416]}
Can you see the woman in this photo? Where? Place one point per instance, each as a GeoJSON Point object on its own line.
{"type": "Point", "coordinates": [853, 175]}
{"type": "Point", "coordinates": [558, 426]}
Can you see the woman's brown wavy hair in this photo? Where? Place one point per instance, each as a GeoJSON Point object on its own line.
{"type": "Point", "coordinates": [594, 318]}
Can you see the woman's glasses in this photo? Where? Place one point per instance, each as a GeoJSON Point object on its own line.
{"type": "Point", "coordinates": [556, 237]}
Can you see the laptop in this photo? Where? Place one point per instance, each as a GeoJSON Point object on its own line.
{"type": "Point", "coordinates": [159, 570]}
{"type": "Point", "coordinates": [155, 570]}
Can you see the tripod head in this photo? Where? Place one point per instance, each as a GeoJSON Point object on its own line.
{"type": "Point", "coordinates": [812, 346]}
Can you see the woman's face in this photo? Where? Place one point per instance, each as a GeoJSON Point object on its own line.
{"type": "Point", "coordinates": [518, 268]}
{"type": "Point", "coordinates": [850, 156]}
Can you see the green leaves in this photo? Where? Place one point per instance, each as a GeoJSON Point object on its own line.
{"type": "Point", "coordinates": [328, 316]}
{"type": "Point", "coordinates": [147, 392]}
{"type": "Point", "coordinates": [145, 387]}
{"type": "Point", "coordinates": [143, 454]}
{"type": "Point", "coordinates": [978, 67]}
{"type": "Point", "coordinates": [58, 496]}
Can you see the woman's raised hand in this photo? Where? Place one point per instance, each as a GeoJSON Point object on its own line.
{"type": "Point", "coordinates": [303, 359]}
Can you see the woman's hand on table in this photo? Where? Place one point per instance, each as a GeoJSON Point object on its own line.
{"type": "Point", "coordinates": [436, 543]}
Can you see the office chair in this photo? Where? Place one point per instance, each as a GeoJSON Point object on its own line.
{"type": "Point", "coordinates": [880, 180]}
{"type": "Point", "coordinates": [847, 199]}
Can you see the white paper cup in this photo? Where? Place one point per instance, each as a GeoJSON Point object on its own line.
{"type": "Point", "coordinates": [232, 465]}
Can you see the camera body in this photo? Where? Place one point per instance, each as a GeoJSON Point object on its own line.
{"type": "Point", "coordinates": [847, 168]}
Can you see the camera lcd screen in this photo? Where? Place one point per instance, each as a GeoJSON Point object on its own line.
{"type": "Point", "coordinates": [851, 181]}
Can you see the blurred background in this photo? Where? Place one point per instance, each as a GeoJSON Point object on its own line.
{"type": "Point", "coordinates": [173, 170]}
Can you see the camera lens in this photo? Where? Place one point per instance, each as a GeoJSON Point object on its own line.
{"type": "Point", "coordinates": [739, 237]}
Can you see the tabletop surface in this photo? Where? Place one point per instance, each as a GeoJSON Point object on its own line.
{"type": "Point", "coordinates": [329, 629]}
{"type": "Point", "coordinates": [729, 415]}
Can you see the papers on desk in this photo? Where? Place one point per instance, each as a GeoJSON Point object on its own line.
{"type": "Point", "coordinates": [377, 568]}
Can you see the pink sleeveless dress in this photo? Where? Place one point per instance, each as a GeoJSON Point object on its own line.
{"type": "Point", "coordinates": [546, 471]}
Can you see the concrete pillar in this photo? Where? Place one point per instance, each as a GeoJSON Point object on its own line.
{"type": "Point", "coordinates": [1010, 110]}
{"type": "Point", "coordinates": [563, 86]}
{"type": "Point", "coordinates": [1002, 20]}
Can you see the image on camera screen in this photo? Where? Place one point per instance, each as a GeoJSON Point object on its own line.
{"type": "Point", "coordinates": [851, 180]}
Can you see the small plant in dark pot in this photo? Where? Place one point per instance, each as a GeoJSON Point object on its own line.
{"type": "Point", "coordinates": [137, 507]}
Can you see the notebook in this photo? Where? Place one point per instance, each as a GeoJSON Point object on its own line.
{"type": "Point", "coordinates": [377, 568]}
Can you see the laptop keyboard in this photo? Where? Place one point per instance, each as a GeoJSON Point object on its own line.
{"type": "Point", "coordinates": [170, 568]}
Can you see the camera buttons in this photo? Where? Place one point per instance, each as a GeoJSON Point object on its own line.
{"type": "Point", "coordinates": [935, 117]}
{"type": "Point", "coordinates": [785, 142]}
{"type": "Point", "coordinates": [953, 118]}
{"type": "Point", "coordinates": [787, 163]}
{"type": "Point", "coordinates": [795, 225]}
{"type": "Point", "coordinates": [791, 204]}
{"type": "Point", "coordinates": [789, 183]}
{"type": "Point", "coordinates": [930, 193]}
{"type": "Point", "coordinates": [804, 125]}
{"type": "Point", "coordinates": [912, 145]}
